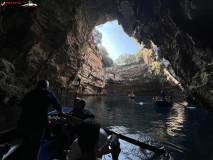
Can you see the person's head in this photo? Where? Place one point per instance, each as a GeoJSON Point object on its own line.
{"type": "Point", "coordinates": [88, 135]}
{"type": "Point", "coordinates": [79, 103]}
{"type": "Point", "coordinates": [43, 84]}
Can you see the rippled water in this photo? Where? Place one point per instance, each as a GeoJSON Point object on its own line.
{"type": "Point", "coordinates": [187, 132]}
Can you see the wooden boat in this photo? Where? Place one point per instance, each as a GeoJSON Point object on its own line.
{"type": "Point", "coordinates": [158, 101]}
{"type": "Point", "coordinates": [50, 148]}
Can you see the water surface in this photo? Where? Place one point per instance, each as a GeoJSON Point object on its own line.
{"type": "Point", "coordinates": [185, 131]}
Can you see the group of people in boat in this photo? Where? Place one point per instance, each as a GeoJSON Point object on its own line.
{"type": "Point", "coordinates": [131, 95]}
{"type": "Point", "coordinates": [163, 97]}
{"type": "Point", "coordinates": [83, 136]}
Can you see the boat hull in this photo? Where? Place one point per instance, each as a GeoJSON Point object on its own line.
{"type": "Point", "coordinates": [162, 103]}
{"type": "Point", "coordinates": [50, 148]}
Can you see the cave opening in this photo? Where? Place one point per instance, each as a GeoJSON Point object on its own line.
{"type": "Point", "coordinates": [130, 60]}
{"type": "Point", "coordinates": [115, 40]}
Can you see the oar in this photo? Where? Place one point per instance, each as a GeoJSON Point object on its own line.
{"type": "Point", "coordinates": [130, 140]}
{"type": "Point", "coordinates": [138, 143]}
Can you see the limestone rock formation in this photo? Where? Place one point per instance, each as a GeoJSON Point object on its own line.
{"type": "Point", "coordinates": [47, 41]}
{"type": "Point", "coordinates": [92, 80]}
{"type": "Point", "coordinates": [140, 78]}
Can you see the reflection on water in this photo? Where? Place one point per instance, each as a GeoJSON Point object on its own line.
{"type": "Point", "coordinates": [185, 131]}
{"type": "Point", "coordinates": [182, 130]}
{"type": "Point", "coordinates": [175, 120]}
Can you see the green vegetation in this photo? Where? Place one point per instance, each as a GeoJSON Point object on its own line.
{"type": "Point", "coordinates": [210, 63]}
{"type": "Point", "coordinates": [125, 59]}
{"type": "Point", "coordinates": [106, 60]}
{"type": "Point", "coordinates": [206, 74]}
{"type": "Point", "coordinates": [97, 37]}
{"type": "Point", "coordinates": [157, 68]}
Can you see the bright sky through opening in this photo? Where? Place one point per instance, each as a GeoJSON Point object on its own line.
{"type": "Point", "coordinates": [116, 41]}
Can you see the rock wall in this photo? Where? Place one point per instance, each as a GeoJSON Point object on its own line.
{"type": "Point", "coordinates": [182, 32]}
{"type": "Point", "coordinates": [139, 78]}
{"type": "Point", "coordinates": [47, 41]}
{"type": "Point", "coordinates": [92, 80]}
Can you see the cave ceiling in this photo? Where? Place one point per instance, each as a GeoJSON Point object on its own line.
{"type": "Point", "coordinates": [34, 40]}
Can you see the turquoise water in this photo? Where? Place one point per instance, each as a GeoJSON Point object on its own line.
{"type": "Point", "coordinates": [184, 131]}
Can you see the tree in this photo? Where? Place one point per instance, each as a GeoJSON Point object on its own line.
{"type": "Point", "coordinates": [130, 58]}
{"type": "Point", "coordinates": [97, 37]}
{"type": "Point", "coordinates": [106, 60]}
{"type": "Point", "coordinates": [125, 59]}
{"type": "Point", "coordinates": [139, 55]}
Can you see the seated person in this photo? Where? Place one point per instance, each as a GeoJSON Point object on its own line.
{"type": "Point", "coordinates": [80, 110]}
{"type": "Point", "coordinates": [162, 95]}
{"type": "Point", "coordinates": [79, 113]}
{"type": "Point", "coordinates": [129, 95]}
{"type": "Point", "coordinates": [91, 144]}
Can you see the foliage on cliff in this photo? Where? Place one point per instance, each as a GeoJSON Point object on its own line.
{"type": "Point", "coordinates": [97, 37]}
{"type": "Point", "coordinates": [106, 60]}
{"type": "Point", "coordinates": [130, 58]}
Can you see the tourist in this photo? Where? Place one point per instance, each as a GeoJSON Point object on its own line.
{"type": "Point", "coordinates": [80, 112]}
{"type": "Point", "coordinates": [92, 143]}
{"type": "Point", "coordinates": [34, 118]}
{"type": "Point", "coordinates": [162, 95]}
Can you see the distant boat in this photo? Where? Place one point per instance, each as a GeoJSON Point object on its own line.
{"type": "Point", "coordinates": [131, 97]}
{"type": "Point", "coordinates": [158, 101]}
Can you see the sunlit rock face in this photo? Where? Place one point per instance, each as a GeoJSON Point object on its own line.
{"type": "Point", "coordinates": [183, 32]}
{"type": "Point", "coordinates": [136, 78]}
{"type": "Point", "coordinates": [92, 80]}
{"type": "Point", "coordinates": [47, 41]}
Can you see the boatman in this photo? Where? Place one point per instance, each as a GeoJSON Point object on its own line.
{"type": "Point", "coordinates": [34, 118]}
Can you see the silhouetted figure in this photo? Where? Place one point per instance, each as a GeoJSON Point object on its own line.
{"type": "Point", "coordinates": [79, 113]}
{"type": "Point", "coordinates": [88, 142]}
{"type": "Point", "coordinates": [162, 95]}
{"type": "Point", "coordinates": [80, 110]}
{"type": "Point", "coordinates": [34, 118]}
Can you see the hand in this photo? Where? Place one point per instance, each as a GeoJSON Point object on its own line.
{"type": "Point", "coordinates": [115, 150]}
{"type": "Point", "coordinates": [53, 119]}
{"type": "Point", "coordinates": [61, 113]}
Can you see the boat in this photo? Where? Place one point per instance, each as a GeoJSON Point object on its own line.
{"type": "Point", "coordinates": [10, 142]}
{"type": "Point", "coordinates": [52, 148]}
{"type": "Point", "coordinates": [131, 97]}
{"type": "Point", "coordinates": [158, 101]}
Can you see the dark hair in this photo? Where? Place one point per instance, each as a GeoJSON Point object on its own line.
{"type": "Point", "coordinates": [42, 84]}
{"type": "Point", "coordinates": [83, 102]}
{"type": "Point", "coordinates": [88, 134]}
